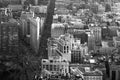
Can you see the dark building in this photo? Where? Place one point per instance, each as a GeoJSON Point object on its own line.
{"type": "Point", "coordinates": [76, 56]}
{"type": "Point", "coordinates": [9, 40]}
{"type": "Point", "coordinates": [83, 37]}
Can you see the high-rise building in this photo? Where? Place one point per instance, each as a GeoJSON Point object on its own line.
{"type": "Point", "coordinates": [35, 33]}
{"type": "Point", "coordinates": [91, 41]}
{"type": "Point", "coordinates": [9, 39]}
{"type": "Point", "coordinates": [25, 25]}
{"type": "Point", "coordinates": [31, 29]}
{"type": "Point", "coordinates": [97, 34]}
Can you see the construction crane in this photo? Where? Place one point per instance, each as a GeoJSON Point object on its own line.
{"type": "Point", "coordinates": [46, 33]}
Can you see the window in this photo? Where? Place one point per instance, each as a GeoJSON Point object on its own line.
{"type": "Point", "coordinates": [113, 75]}
{"type": "Point", "coordinates": [67, 49]}
{"type": "Point", "coordinates": [64, 47]}
{"type": "Point", "coordinates": [47, 67]}
{"type": "Point", "coordinates": [55, 67]}
{"type": "Point", "coordinates": [51, 68]}
{"type": "Point", "coordinates": [43, 66]}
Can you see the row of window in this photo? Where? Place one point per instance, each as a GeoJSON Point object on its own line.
{"type": "Point", "coordinates": [54, 67]}
{"type": "Point", "coordinates": [93, 78]}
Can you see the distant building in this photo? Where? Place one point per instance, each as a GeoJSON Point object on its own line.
{"type": "Point", "coordinates": [57, 30]}
{"type": "Point", "coordinates": [52, 49]}
{"type": "Point", "coordinates": [55, 66]}
{"type": "Point", "coordinates": [64, 43]}
{"type": "Point", "coordinates": [78, 52]}
{"type": "Point", "coordinates": [78, 33]}
{"type": "Point", "coordinates": [101, 8]}
{"type": "Point", "coordinates": [15, 7]}
{"type": "Point", "coordinates": [116, 41]}
{"type": "Point", "coordinates": [91, 41]}
{"type": "Point", "coordinates": [39, 9]}
{"type": "Point", "coordinates": [76, 56]}
{"type": "Point", "coordinates": [9, 38]}
{"type": "Point", "coordinates": [86, 73]}
{"type": "Point", "coordinates": [114, 72]}
{"type": "Point", "coordinates": [84, 49]}
{"type": "Point", "coordinates": [113, 30]}
{"type": "Point", "coordinates": [62, 11]}
{"type": "Point", "coordinates": [118, 32]}
{"type": "Point", "coordinates": [11, 1]}
{"type": "Point", "coordinates": [97, 34]}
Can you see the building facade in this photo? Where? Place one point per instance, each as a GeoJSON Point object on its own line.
{"type": "Point", "coordinates": [91, 41]}
{"type": "Point", "coordinates": [64, 46]}
{"type": "Point", "coordinates": [9, 38]}
{"type": "Point", "coordinates": [35, 33]}
{"type": "Point", "coordinates": [57, 30]}
{"type": "Point", "coordinates": [115, 72]}
{"type": "Point", "coordinates": [116, 41]}
{"type": "Point", "coordinates": [76, 56]}
{"type": "Point", "coordinates": [56, 66]}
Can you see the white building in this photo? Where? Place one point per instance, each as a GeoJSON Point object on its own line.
{"type": "Point", "coordinates": [86, 73]}
{"type": "Point", "coordinates": [34, 33]}
{"type": "Point", "coordinates": [24, 22]}
{"type": "Point", "coordinates": [39, 9]}
{"type": "Point", "coordinates": [118, 32]}
{"type": "Point", "coordinates": [56, 66]}
{"type": "Point", "coordinates": [97, 33]}
{"type": "Point", "coordinates": [116, 41]}
{"type": "Point", "coordinates": [31, 29]}
{"type": "Point", "coordinates": [57, 30]}
{"type": "Point", "coordinates": [91, 41]}
{"type": "Point", "coordinates": [64, 46]}
{"type": "Point", "coordinates": [52, 49]}
{"type": "Point", "coordinates": [84, 49]}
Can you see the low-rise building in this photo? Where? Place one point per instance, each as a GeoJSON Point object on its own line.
{"type": "Point", "coordinates": [39, 9]}
{"type": "Point", "coordinates": [76, 56]}
{"type": "Point", "coordinates": [56, 66]}
{"type": "Point", "coordinates": [116, 41]}
{"type": "Point", "coordinates": [64, 44]}
{"type": "Point", "coordinates": [57, 30]}
{"type": "Point", "coordinates": [118, 32]}
{"type": "Point", "coordinates": [115, 72]}
{"type": "Point", "coordinates": [86, 74]}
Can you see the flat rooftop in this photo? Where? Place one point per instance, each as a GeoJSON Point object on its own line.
{"type": "Point", "coordinates": [117, 38]}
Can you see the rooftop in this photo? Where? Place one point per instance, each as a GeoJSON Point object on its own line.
{"type": "Point", "coordinates": [87, 71]}
{"type": "Point", "coordinates": [118, 38]}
